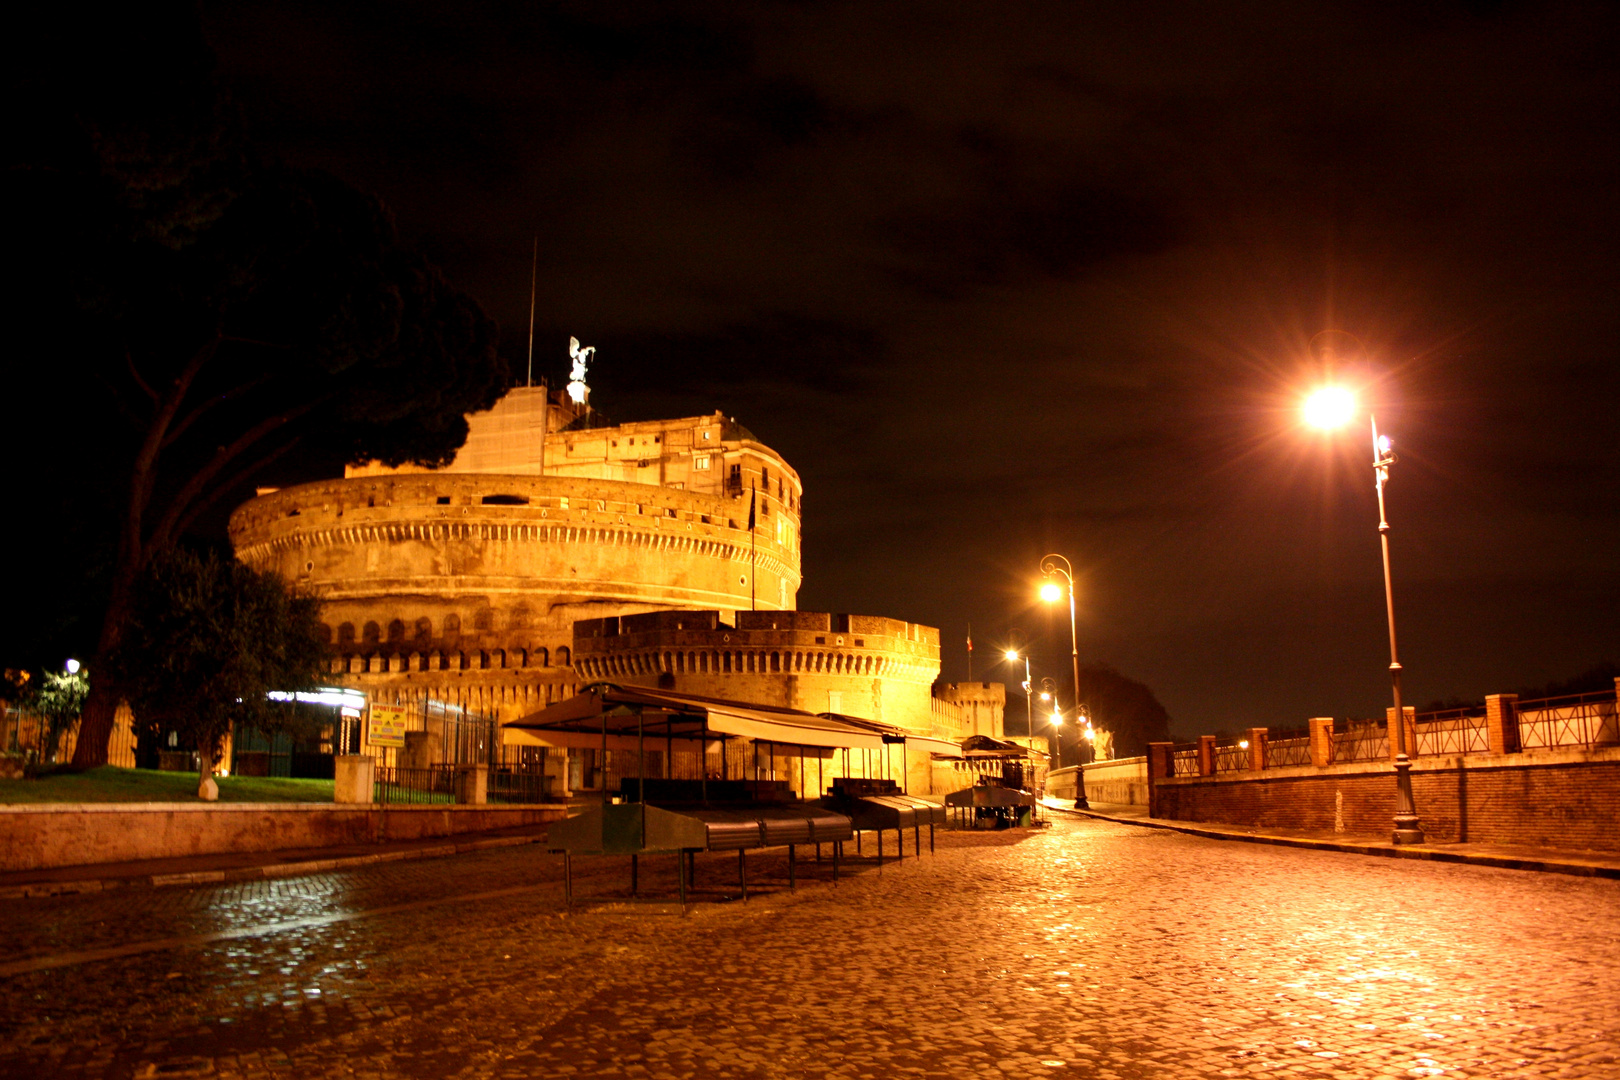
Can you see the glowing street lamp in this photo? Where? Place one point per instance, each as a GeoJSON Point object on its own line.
{"type": "Point", "coordinates": [1053, 567]}
{"type": "Point", "coordinates": [1013, 656]}
{"type": "Point", "coordinates": [1333, 407]}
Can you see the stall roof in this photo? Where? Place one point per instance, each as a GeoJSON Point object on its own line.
{"type": "Point", "coordinates": [623, 714]}
{"type": "Point", "coordinates": [983, 746]}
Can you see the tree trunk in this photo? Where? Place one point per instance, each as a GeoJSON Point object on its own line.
{"type": "Point", "coordinates": [101, 707]}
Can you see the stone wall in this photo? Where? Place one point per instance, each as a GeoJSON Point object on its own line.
{"type": "Point", "coordinates": [46, 836]}
{"type": "Point", "coordinates": [1558, 798]}
{"type": "Point", "coordinates": [858, 665]}
{"type": "Point", "coordinates": [424, 576]}
{"type": "Point", "coordinates": [1124, 781]}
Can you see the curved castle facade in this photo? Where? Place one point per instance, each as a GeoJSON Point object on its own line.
{"type": "Point", "coordinates": [463, 584]}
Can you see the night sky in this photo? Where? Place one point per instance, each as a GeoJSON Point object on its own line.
{"type": "Point", "coordinates": [1000, 279]}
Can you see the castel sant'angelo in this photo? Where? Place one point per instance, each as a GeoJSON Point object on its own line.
{"type": "Point", "coordinates": [555, 552]}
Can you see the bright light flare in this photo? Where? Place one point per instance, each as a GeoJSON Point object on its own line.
{"type": "Point", "coordinates": [1330, 407]}
{"type": "Point", "coordinates": [1012, 655]}
{"type": "Point", "coordinates": [1051, 592]}
{"type": "Point", "coordinates": [1057, 719]}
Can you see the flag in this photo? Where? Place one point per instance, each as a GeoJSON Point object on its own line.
{"type": "Point", "coordinates": [752, 493]}
{"type": "Point", "coordinates": [970, 637]}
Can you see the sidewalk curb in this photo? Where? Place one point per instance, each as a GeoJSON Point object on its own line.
{"type": "Point", "coordinates": [258, 873]}
{"type": "Point", "coordinates": [1391, 851]}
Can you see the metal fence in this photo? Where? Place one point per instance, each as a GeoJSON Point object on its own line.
{"type": "Point", "coordinates": [1233, 758]}
{"type": "Point", "coordinates": [399, 785]}
{"type": "Point", "coordinates": [1586, 720]}
{"type": "Point", "coordinates": [1283, 753]}
{"type": "Point", "coordinates": [1365, 741]}
{"type": "Point", "coordinates": [1184, 761]}
{"type": "Point", "coordinates": [1450, 731]}
{"type": "Point", "coordinates": [508, 784]}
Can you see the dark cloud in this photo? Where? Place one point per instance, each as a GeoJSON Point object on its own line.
{"type": "Point", "coordinates": [1016, 277]}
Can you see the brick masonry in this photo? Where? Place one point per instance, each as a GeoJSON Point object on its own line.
{"type": "Point", "coordinates": [1566, 799]}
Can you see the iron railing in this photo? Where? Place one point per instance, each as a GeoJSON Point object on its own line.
{"type": "Point", "coordinates": [1587, 720]}
{"type": "Point", "coordinates": [399, 785]}
{"type": "Point", "coordinates": [1233, 758]}
{"type": "Point", "coordinates": [1284, 753]}
{"type": "Point", "coordinates": [1450, 731]}
{"type": "Point", "coordinates": [1361, 742]}
{"type": "Point", "coordinates": [517, 785]}
{"type": "Point", "coordinates": [1184, 761]}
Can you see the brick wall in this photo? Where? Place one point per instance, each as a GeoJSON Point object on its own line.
{"type": "Point", "coordinates": [1567, 799]}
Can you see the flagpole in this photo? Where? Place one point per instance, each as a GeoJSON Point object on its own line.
{"type": "Point", "coordinates": [753, 558]}
{"type": "Point", "coordinates": [970, 652]}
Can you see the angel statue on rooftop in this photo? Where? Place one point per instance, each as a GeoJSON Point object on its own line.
{"type": "Point", "coordinates": [577, 390]}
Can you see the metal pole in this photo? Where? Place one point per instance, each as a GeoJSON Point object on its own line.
{"type": "Point", "coordinates": [1029, 698]}
{"type": "Point", "coordinates": [1408, 830]}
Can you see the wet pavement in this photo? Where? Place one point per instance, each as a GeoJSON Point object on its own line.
{"type": "Point", "coordinates": [1089, 949]}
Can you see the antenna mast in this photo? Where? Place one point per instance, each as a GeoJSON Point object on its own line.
{"type": "Point", "coordinates": [534, 270]}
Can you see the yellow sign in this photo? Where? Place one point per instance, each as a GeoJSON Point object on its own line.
{"type": "Point", "coordinates": [387, 727]}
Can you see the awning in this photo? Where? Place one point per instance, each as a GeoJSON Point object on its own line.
{"type": "Point", "coordinates": [625, 715]}
{"type": "Point", "coordinates": [892, 734]}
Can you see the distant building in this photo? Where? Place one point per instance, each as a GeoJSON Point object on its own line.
{"type": "Point", "coordinates": [554, 552]}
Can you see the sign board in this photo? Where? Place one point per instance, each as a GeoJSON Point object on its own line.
{"type": "Point", "coordinates": [387, 727]}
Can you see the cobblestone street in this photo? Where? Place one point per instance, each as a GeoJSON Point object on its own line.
{"type": "Point", "coordinates": [1089, 949]}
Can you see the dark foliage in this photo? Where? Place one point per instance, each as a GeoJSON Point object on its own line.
{"type": "Point", "coordinates": [1125, 707]}
{"type": "Point", "coordinates": [190, 314]}
{"type": "Point", "coordinates": [207, 640]}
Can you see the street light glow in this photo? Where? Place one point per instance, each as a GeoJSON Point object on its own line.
{"type": "Point", "coordinates": [1012, 654]}
{"type": "Point", "coordinates": [1051, 592]}
{"type": "Point", "coordinates": [1330, 407]}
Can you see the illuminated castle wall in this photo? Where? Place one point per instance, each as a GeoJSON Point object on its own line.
{"type": "Point", "coordinates": [463, 584]}
{"type": "Point", "coordinates": [552, 554]}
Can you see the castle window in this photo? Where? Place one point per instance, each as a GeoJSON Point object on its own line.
{"type": "Point", "coordinates": [452, 624]}
{"type": "Point", "coordinates": [564, 658]}
{"type": "Point", "coordinates": [701, 462]}
{"type": "Point", "coordinates": [371, 633]}
{"type": "Point", "coordinates": [346, 633]}
{"type": "Point", "coordinates": [324, 632]}
{"type": "Point", "coordinates": [505, 500]}
{"type": "Point", "coordinates": [541, 657]}
{"type": "Point", "coordinates": [424, 629]}
{"type": "Point", "coordinates": [443, 500]}
{"type": "Point", "coordinates": [396, 630]}
{"type": "Point", "coordinates": [765, 477]}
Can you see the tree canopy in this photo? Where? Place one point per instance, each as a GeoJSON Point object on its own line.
{"type": "Point", "coordinates": [193, 314]}
{"type": "Point", "coordinates": [207, 640]}
{"type": "Point", "coordinates": [1125, 707]}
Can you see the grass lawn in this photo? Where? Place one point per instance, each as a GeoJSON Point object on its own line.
{"type": "Point", "coordinates": [111, 784]}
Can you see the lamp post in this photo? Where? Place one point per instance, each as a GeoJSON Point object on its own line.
{"type": "Point", "coordinates": [1054, 726]}
{"type": "Point", "coordinates": [1051, 567]}
{"type": "Point", "coordinates": [1012, 657]}
{"type": "Point", "coordinates": [1332, 407]}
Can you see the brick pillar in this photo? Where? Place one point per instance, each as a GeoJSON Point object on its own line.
{"type": "Point", "coordinates": [1411, 729]}
{"type": "Point", "coordinates": [1502, 723]}
{"type": "Point", "coordinates": [1160, 766]}
{"type": "Point", "coordinates": [1206, 755]}
{"type": "Point", "coordinates": [1160, 761]}
{"type": "Point", "coordinates": [1321, 741]}
{"type": "Point", "coordinates": [1257, 747]}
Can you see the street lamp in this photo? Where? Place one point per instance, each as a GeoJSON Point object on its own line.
{"type": "Point", "coordinates": [1052, 566]}
{"type": "Point", "coordinates": [1333, 407]}
{"type": "Point", "coordinates": [1055, 727]}
{"type": "Point", "coordinates": [1012, 656]}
